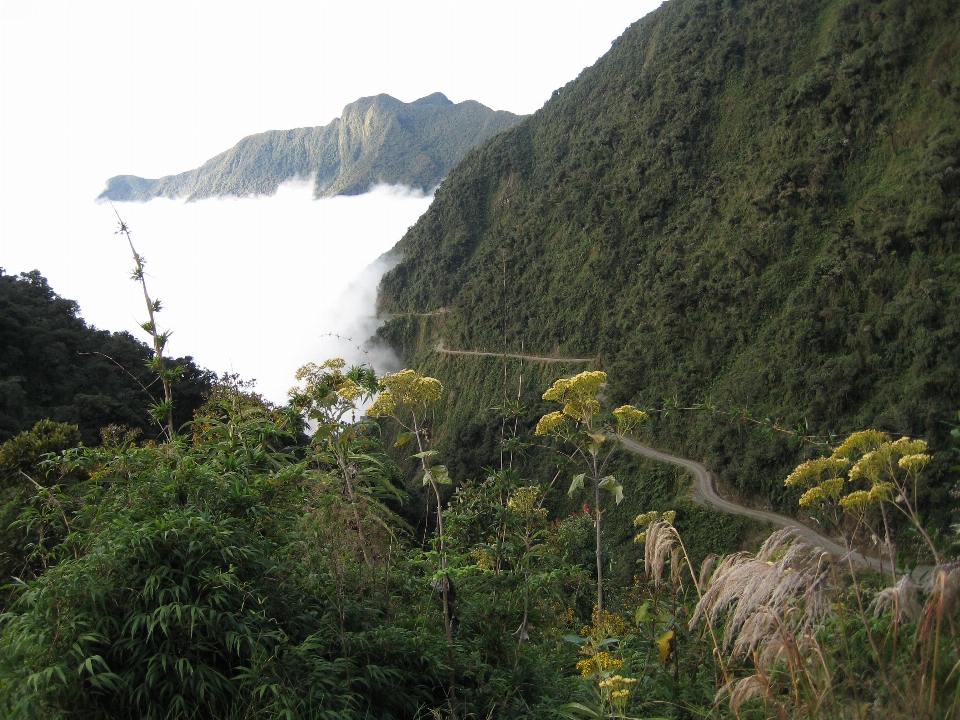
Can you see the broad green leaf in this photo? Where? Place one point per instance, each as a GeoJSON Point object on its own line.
{"type": "Point", "coordinates": [610, 484]}
{"type": "Point", "coordinates": [575, 639]}
{"type": "Point", "coordinates": [642, 613]}
{"type": "Point", "coordinates": [440, 475]}
{"type": "Point", "coordinates": [577, 484]}
{"type": "Point", "coordinates": [403, 439]}
{"type": "Point", "coordinates": [425, 454]}
{"type": "Point", "coordinates": [323, 432]}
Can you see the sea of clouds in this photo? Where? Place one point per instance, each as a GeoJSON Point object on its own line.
{"type": "Point", "coordinates": [255, 286]}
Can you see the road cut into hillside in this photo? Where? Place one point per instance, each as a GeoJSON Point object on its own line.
{"type": "Point", "coordinates": [705, 493]}
{"type": "Point", "coordinates": [537, 358]}
{"type": "Point", "coordinates": [705, 489]}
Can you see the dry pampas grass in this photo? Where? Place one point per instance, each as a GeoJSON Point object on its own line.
{"type": "Point", "coordinates": [772, 603]}
{"type": "Point", "coordinates": [660, 544]}
{"type": "Point", "coordinates": [785, 573]}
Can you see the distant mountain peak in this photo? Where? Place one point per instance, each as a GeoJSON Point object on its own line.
{"type": "Point", "coordinates": [437, 98]}
{"type": "Point", "coordinates": [377, 139]}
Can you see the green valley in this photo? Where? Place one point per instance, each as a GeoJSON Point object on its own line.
{"type": "Point", "coordinates": [726, 257]}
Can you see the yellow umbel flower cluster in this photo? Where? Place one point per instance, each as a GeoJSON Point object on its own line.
{"type": "Point", "coordinates": [383, 406]}
{"type": "Point", "coordinates": [868, 457]}
{"type": "Point", "coordinates": [349, 390]}
{"type": "Point", "coordinates": [860, 443]}
{"type": "Point", "coordinates": [812, 471]}
{"type": "Point", "coordinates": [856, 502]}
{"type": "Point", "coordinates": [827, 490]}
{"type": "Point", "coordinates": [602, 662]}
{"type": "Point", "coordinates": [615, 680]}
{"type": "Point", "coordinates": [484, 558]}
{"type": "Point", "coordinates": [552, 423]}
{"type": "Point", "coordinates": [628, 417]}
{"type": "Point", "coordinates": [617, 686]}
{"type": "Point", "coordinates": [407, 387]}
{"type": "Point", "coordinates": [523, 499]}
{"type": "Point", "coordinates": [578, 394]}
{"type": "Point", "coordinates": [606, 626]}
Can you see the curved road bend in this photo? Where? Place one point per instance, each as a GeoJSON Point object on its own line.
{"type": "Point", "coordinates": [704, 489]}
{"type": "Point", "coordinates": [705, 493]}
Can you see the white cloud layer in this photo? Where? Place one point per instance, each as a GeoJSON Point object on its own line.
{"type": "Point", "coordinates": [93, 89]}
{"type": "Point", "coordinates": [253, 285]}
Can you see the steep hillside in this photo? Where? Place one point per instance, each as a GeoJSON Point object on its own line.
{"type": "Point", "coordinates": [378, 139]}
{"type": "Point", "coordinates": [751, 204]}
{"type": "Point", "coordinates": [52, 365]}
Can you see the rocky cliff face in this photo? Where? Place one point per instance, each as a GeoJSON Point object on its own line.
{"type": "Point", "coordinates": [377, 139]}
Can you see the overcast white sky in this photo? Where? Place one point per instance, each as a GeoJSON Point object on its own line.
{"type": "Point", "coordinates": [94, 89]}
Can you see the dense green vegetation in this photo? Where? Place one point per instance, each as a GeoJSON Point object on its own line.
{"type": "Point", "coordinates": [238, 571]}
{"type": "Point", "coordinates": [748, 205]}
{"type": "Point", "coordinates": [746, 213]}
{"type": "Point", "coordinates": [377, 139]}
{"type": "Point", "coordinates": [53, 366]}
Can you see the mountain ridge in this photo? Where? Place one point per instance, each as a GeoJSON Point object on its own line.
{"type": "Point", "coordinates": [377, 139]}
{"type": "Point", "coordinates": [749, 205]}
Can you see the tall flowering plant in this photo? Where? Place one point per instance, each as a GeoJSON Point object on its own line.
{"type": "Point", "coordinates": [580, 425]}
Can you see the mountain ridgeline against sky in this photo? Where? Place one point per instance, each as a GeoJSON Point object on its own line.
{"type": "Point", "coordinates": [749, 203]}
{"type": "Point", "coordinates": [378, 139]}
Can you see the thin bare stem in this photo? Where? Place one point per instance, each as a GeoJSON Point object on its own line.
{"type": "Point", "coordinates": [159, 340]}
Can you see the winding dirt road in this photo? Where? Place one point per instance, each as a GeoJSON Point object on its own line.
{"type": "Point", "coordinates": [704, 487]}
{"type": "Point", "coordinates": [539, 358]}
{"type": "Point", "coordinates": [705, 493]}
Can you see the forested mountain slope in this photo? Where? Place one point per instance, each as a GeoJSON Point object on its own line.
{"type": "Point", "coordinates": [52, 365]}
{"type": "Point", "coordinates": [753, 204]}
{"type": "Point", "coordinates": [377, 139]}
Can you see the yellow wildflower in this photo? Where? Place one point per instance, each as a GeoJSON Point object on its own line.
{"type": "Point", "coordinates": [599, 663]}
{"type": "Point", "coordinates": [882, 462]}
{"type": "Point", "coordinates": [523, 499]}
{"type": "Point", "coordinates": [812, 471]}
{"type": "Point", "coordinates": [827, 490]}
{"type": "Point", "coordinates": [348, 390]}
{"type": "Point", "coordinates": [881, 492]}
{"type": "Point", "coordinates": [484, 559]}
{"type": "Point", "coordinates": [914, 463]}
{"type": "Point", "coordinates": [857, 501]}
{"type": "Point", "coordinates": [859, 443]}
{"type": "Point", "coordinates": [578, 394]}
{"type": "Point", "coordinates": [551, 424]}
{"type": "Point", "coordinates": [906, 446]}
{"type": "Point", "coordinates": [557, 390]}
{"type": "Point", "coordinates": [628, 417]}
{"type": "Point", "coordinates": [409, 387]}
{"type": "Point", "coordinates": [383, 406]}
